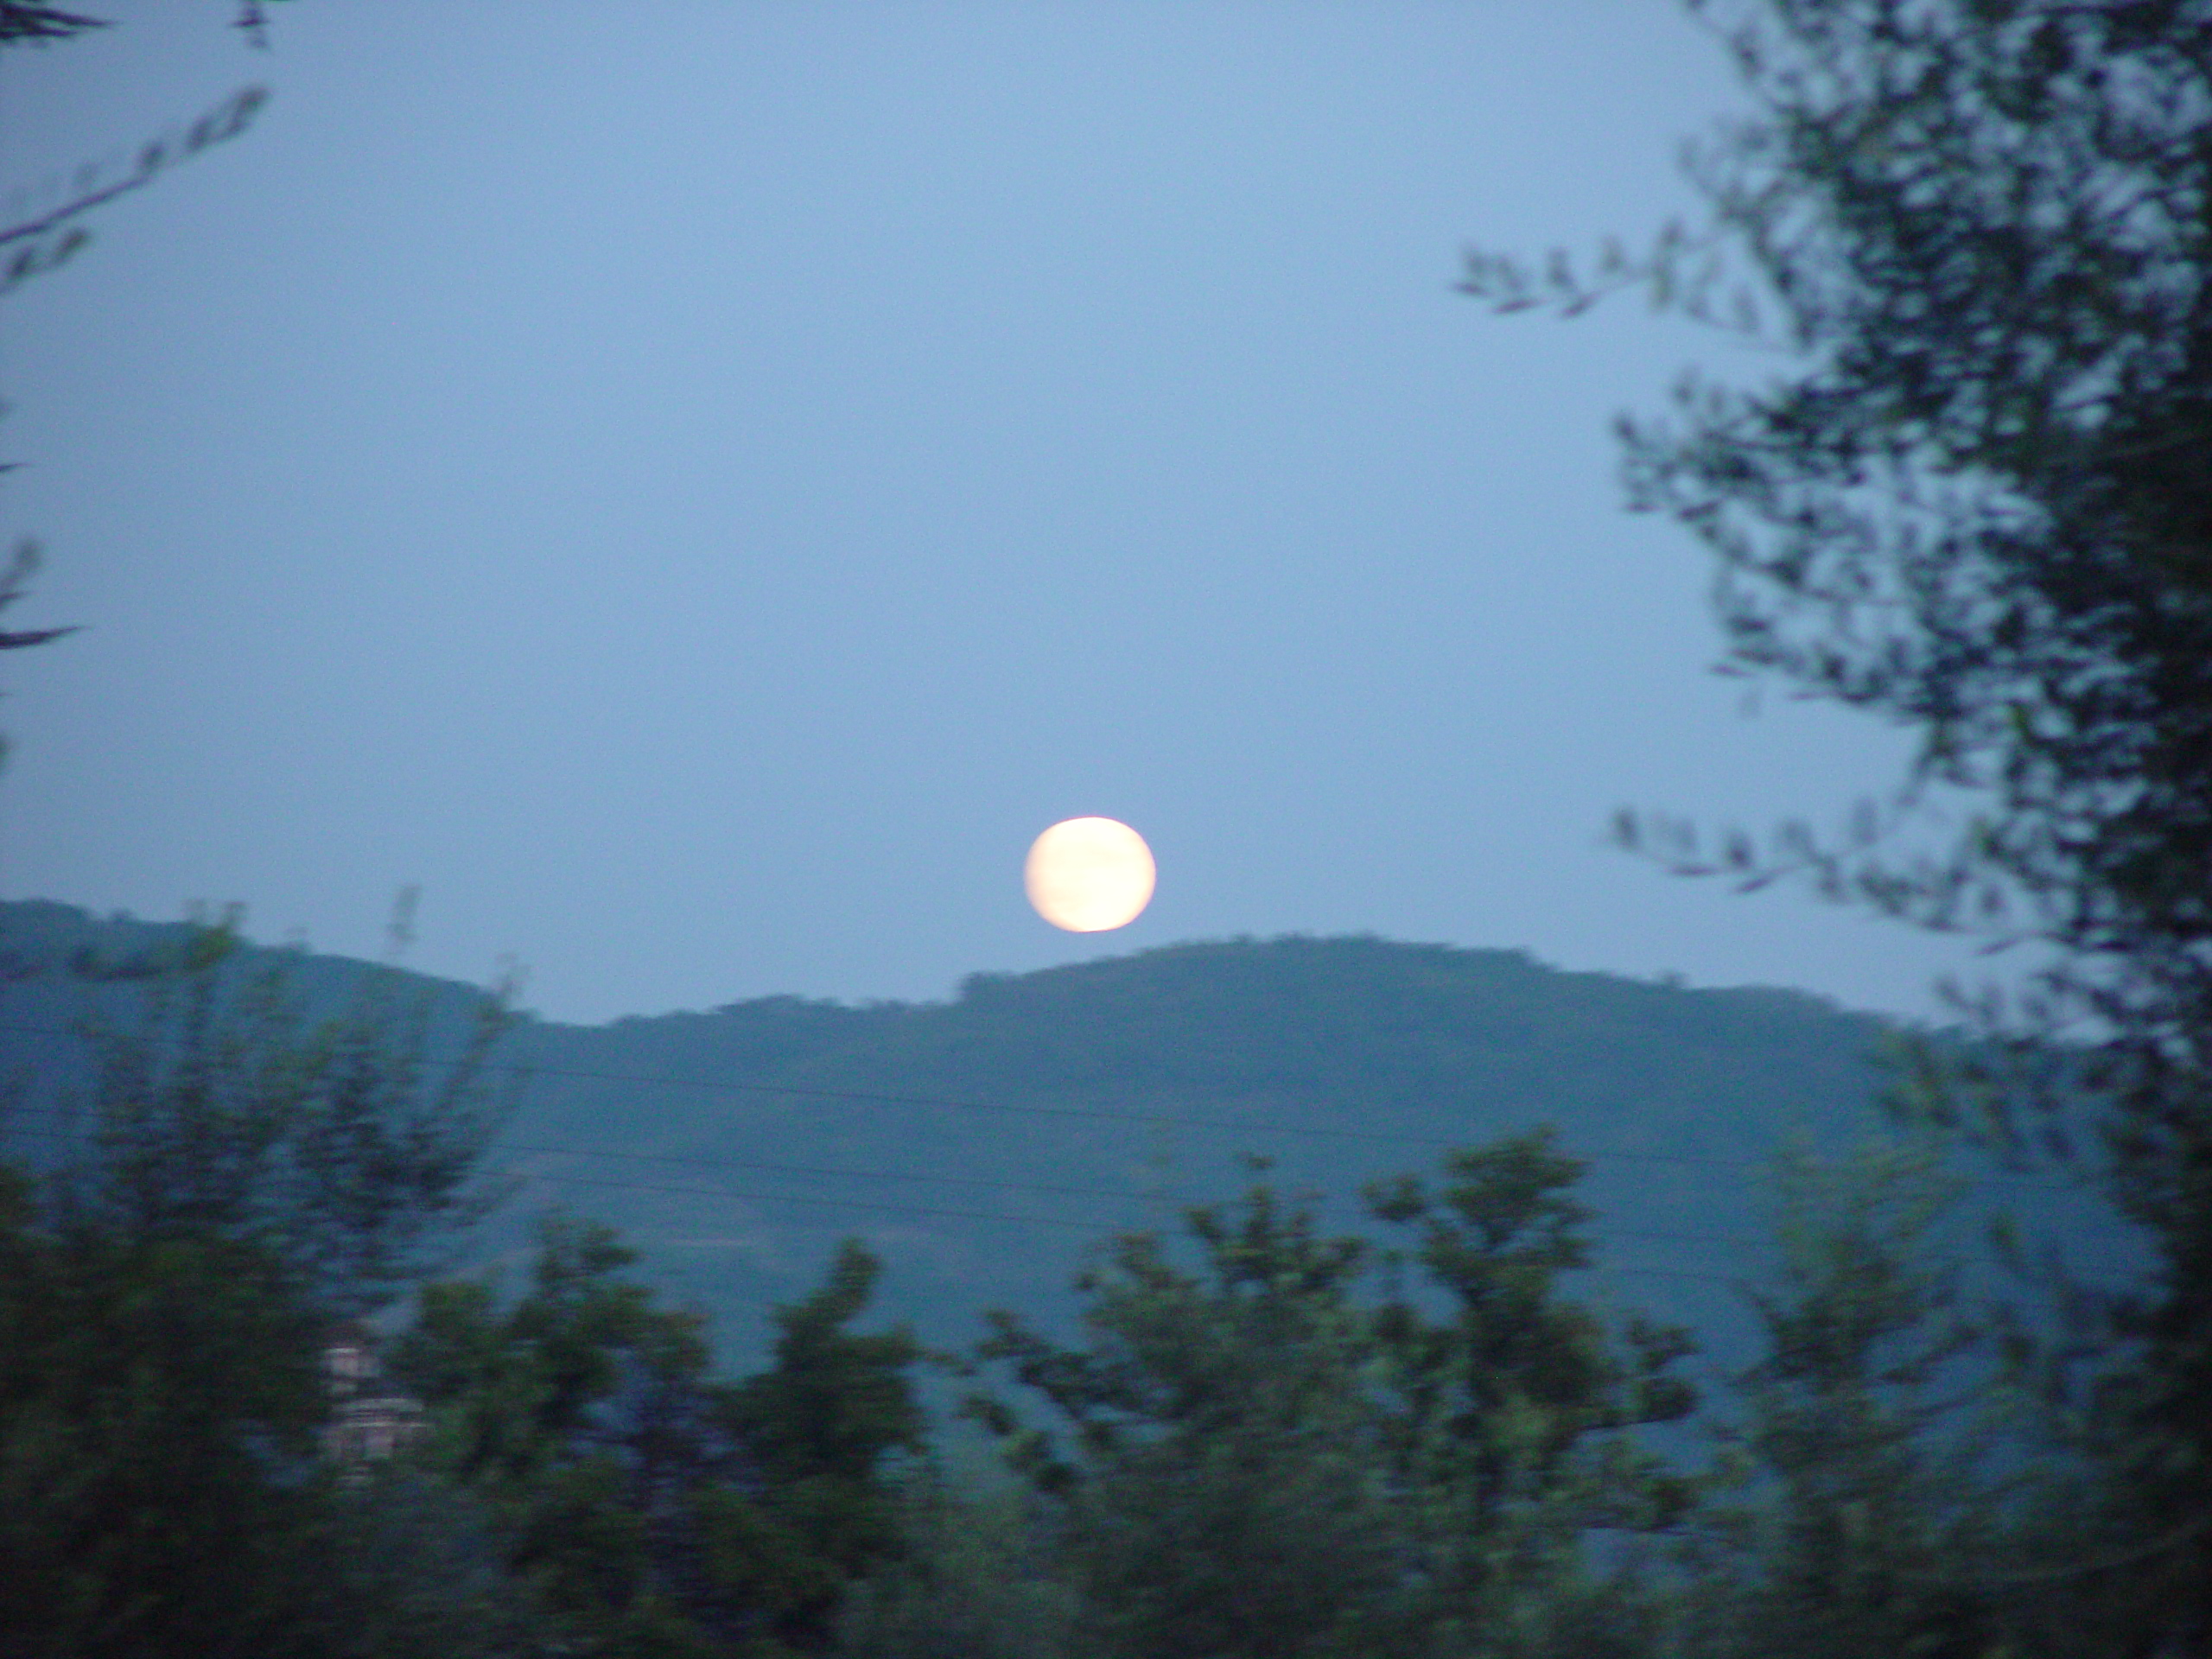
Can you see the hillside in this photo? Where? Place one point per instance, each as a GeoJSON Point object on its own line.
{"type": "Point", "coordinates": [734, 1146]}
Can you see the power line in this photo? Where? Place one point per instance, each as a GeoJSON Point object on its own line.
{"type": "Point", "coordinates": [841, 1204]}
{"type": "Point", "coordinates": [985, 1181]}
{"type": "Point", "coordinates": [1099, 1113]}
{"type": "Point", "coordinates": [1040, 1222]}
{"type": "Point", "coordinates": [975, 1215]}
{"type": "Point", "coordinates": [1112, 1195]}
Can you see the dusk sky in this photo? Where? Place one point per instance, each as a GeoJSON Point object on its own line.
{"type": "Point", "coordinates": [698, 487]}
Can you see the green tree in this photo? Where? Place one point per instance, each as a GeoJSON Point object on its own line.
{"type": "Point", "coordinates": [1981, 507]}
{"type": "Point", "coordinates": [224, 1106]}
{"type": "Point", "coordinates": [1513, 1430]}
{"type": "Point", "coordinates": [650, 1507]}
{"type": "Point", "coordinates": [244, 1174]}
{"type": "Point", "coordinates": [1225, 1491]}
{"type": "Point", "coordinates": [821, 1426]}
{"type": "Point", "coordinates": [1873, 1442]}
{"type": "Point", "coordinates": [154, 1391]}
{"type": "Point", "coordinates": [1273, 1454]}
{"type": "Point", "coordinates": [977, 1576]}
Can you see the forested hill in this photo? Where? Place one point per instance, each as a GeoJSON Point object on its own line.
{"type": "Point", "coordinates": [734, 1146]}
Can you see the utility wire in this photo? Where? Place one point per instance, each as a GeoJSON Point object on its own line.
{"type": "Point", "coordinates": [976, 1215]}
{"type": "Point", "coordinates": [724, 1193]}
{"type": "Point", "coordinates": [1108, 1193]}
{"type": "Point", "coordinates": [1099, 1113]}
{"type": "Point", "coordinates": [984, 1181]}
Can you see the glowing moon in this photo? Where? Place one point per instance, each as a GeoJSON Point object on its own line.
{"type": "Point", "coordinates": [1086, 875]}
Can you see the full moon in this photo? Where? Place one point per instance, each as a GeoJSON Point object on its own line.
{"type": "Point", "coordinates": [1087, 875]}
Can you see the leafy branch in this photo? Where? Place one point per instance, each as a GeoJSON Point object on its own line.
{"type": "Point", "coordinates": [52, 237]}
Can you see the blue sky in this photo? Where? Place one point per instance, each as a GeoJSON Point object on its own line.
{"type": "Point", "coordinates": [697, 492]}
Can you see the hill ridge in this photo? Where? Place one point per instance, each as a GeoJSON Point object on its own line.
{"type": "Point", "coordinates": [1441, 1042]}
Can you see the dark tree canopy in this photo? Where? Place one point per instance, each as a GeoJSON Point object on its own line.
{"type": "Point", "coordinates": [1980, 506]}
{"type": "Point", "coordinates": [1296, 1446]}
{"type": "Point", "coordinates": [651, 1507]}
{"type": "Point", "coordinates": [1983, 506]}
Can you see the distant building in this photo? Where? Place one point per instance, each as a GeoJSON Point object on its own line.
{"type": "Point", "coordinates": [366, 1423]}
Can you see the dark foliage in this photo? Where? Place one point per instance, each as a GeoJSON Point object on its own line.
{"type": "Point", "coordinates": [26, 22]}
{"type": "Point", "coordinates": [240, 1178]}
{"type": "Point", "coordinates": [1983, 509]}
{"type": "Point", "coordinates": [648, 1507]}
{"type": "Point", "coordinates": [1273, 1455]}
